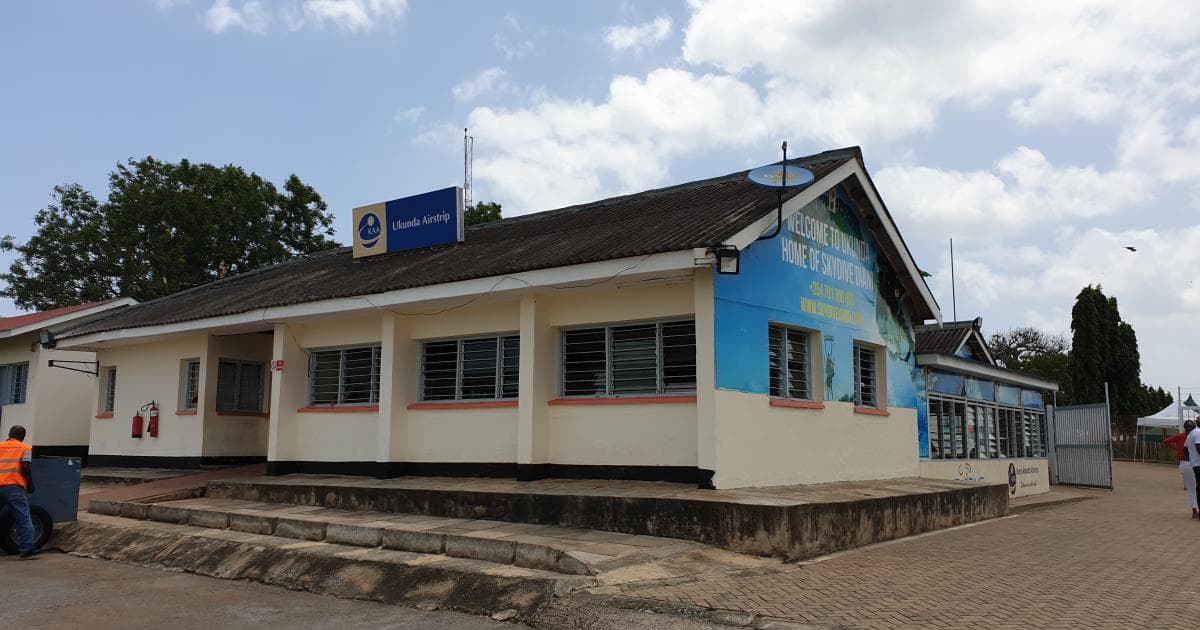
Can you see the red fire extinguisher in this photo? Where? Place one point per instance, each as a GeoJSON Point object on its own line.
{"type": "Point", "coordinates": [137, 424]}
{"type": "Point", "coordinates": [153, 426]}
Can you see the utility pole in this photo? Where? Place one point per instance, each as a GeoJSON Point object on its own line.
{"type": "Point", "coordinates": [953, 293]}
{"type": "Point", "coordinates": [468, 157]}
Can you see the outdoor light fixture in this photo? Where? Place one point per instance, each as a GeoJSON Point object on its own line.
{"type": "Point", "coordinates": [728, 259]}
{"type": "Point", "coordinates": [46, 338]}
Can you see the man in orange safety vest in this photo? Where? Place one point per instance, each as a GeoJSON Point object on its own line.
{"type": "Point", "coordinates": [16, 480]}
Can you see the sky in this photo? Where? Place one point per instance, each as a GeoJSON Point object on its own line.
{"type": "Point", "coordinates": [1043, 137]}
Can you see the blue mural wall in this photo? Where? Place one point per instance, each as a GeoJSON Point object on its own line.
{"type": "Point", "coordinates": [823, 272]}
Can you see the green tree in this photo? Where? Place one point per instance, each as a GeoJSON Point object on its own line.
{"type": "Point", "coordinates": [164, 227]}
{"type": "Point", "coordinates": [1037, 353]}
{"type": "Point", "coordinates": [482, 212]}
{"type": "Point", "coordinates": [1089, 345]}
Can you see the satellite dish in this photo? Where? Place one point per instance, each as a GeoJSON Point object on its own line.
{"type": "Point", "coordinates": [773, 176]}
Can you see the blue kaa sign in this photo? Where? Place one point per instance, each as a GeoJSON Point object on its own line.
{"type": "Point", "coordinates": [425, 220]}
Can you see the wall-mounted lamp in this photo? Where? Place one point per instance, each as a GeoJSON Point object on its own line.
{"type": "Point", "coordinates": [46, 338]}
{"type": "Point", "coordinates": [728, 259]}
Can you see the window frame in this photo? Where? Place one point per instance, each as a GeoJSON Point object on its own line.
{"type": "Point", "coordinates": [237, 388]}
{"type": "Point", "coordinates": [878, 393]}
{"type": "Point", "coordinates": [186, 384]}
{"type": "Point", "coordinates": [660, 359]}
{"type": "Point", "coordinates": [373, 387]}
{"type": "Point", "coordinates": [9, 386]}
{"type": "Point", "coordinates": [811, 361]}
{"type": "Point", "coordinates": [499, 380]}
{"type": "Point", "coordinates": [108, 395]}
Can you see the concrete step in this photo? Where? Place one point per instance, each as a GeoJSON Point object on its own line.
{"type": "Point", "coordinates": [347, 571]}
{"type": "Point", "coordinates": [570, 551]}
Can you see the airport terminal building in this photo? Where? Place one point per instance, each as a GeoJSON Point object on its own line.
{"type": "Point", "coordinates": [677, 334]}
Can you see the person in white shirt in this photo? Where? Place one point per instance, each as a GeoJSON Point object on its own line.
{"type": "Point", "coordinates": [1193, 450]}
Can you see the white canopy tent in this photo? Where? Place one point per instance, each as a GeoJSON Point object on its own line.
{"type": "Point", "coordinates": [1171, 417]}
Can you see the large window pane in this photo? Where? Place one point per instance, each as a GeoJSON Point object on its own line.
{"type": "Point", "coordinates": [227, 380]}
{"type": "Point", "coordinates": [479, 363]}
{"type": "Point", "coordinates": [439, 370]}
{"type": "Point", "coordinates": [325, 376]}
{"type": "Point", "coordinates": [344, 377]}
{"type": "Point", "coordinates": [358, 376]}
{"type": "Point", "coordinates": [510, 366]}
{"type": "Point", "coordinates": [865, 392]}
{"type": "Point", "coordinates": [679, 357]}
{"type": "Point", "coordinates": [584, 362]}
{"type": "Point", "coordinates": [634, 359]}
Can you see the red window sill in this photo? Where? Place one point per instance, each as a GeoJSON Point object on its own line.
{"type": "Point", "coordinates": [465, 404]}
{"type": "Point", "coordinates": [348, 409]}
{"type": "Point", "coordinates": [185, 412]}
{"type": "Point", "coordinates": [871, 411]}
{"type": "Point", "coordinates": [797, 404]}
{"type": "Point", "coordinates": [104, 416]}
{"type": "Point", "coordinates": [630, 400]}
{"type": "Point", "coordinates": [250, 414]}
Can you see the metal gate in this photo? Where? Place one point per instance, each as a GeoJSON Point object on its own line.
{"type": "Point", "coordinates": [1081, 446]}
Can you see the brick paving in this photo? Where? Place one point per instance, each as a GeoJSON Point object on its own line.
{"type": "Point", "coordinates": [1121, 560]}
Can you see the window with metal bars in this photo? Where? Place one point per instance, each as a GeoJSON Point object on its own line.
{"type": "Point", "coordinates": [239, 385]}
{"type": "Point", "coordinates": [14, 380]}
{"type": "Point", "coordinates": [790, 361]}
{"type": "Point", "coordinates": [866, 377]}
{"type": "Point", "coordinates": [191, 384]}
{"type": "Point", "coordinates": [651, 358]}
{"type": "Point", "coordinates": [110, 389]}
{"type": "Point", "coordinates": [476, 368]}
{"type": "Point", "coordinates": [344, 376]}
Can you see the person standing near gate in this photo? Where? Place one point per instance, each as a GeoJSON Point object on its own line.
{"type": "Point", "coordinates": [1178, 443]}
{"type": "Point", "coordinates": [1192, 444]}
{"type": "Point", "coordinates": [16, 480]}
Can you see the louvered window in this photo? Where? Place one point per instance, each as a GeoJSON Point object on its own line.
{"type": "Point", "coordinates": [866, 377]}
{"type": "Point", "coordinates": [191, 384]}
{"type": "Point", "coordinates": [346, 376]}
{"type": "Point", "coordinates": [110, 389]}
{"type": "Point", "coordinates": [790, 363]}
{"type": "Point", "coordinates": [14, 380]}
{"type": "Point", "coordinates": [630, 360]}
{"type": "Point", "coordinates": [477, 368]}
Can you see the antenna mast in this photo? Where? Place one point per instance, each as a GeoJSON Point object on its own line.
{"type": "Point", "coordinates": [468, 157]}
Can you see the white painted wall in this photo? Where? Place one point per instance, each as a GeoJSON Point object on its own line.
{"type": "Point", "coordinates": [335, 437]}
{"type": "Point", "coordinates": [148, 372]}
{"type": "Point", "coordinates": [461, 435]}
{"type": "Point", "coordinates": [226, 434]}
{"type": "Point", "coordinates": [1032, 474]}
{"type": "Point", "coordinates": [761, 445]}
{"type": "Point", "coordinates": [18, 350]}
{"type": "Point", "coordinates": [623, 435]}
{"type": "Point", "coordinates": [63, 400]}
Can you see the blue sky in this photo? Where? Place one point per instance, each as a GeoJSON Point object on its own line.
{"type": "Point", "coordinates": [1042, 137]}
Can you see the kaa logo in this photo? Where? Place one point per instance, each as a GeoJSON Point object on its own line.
{"type": "Point", "coordinates": [369, 229]}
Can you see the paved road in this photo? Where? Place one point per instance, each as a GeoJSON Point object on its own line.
{"type": "Point", "coordinates": [60, 591]}
{"type": "Point", "coordinates": [1118, 561]}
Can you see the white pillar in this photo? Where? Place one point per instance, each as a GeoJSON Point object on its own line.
{"type": "Point", "coordinates": [538, 381]}
{"type": "Point", "coordinates": [706, 371]}
{"type": "Point", "coordinates": [289, 392]}
{"type": "Point", "coordinates": [398, 363]}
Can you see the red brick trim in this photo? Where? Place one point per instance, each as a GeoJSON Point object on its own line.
{"type": "Point", "coordinates": [104, 415]}
{"type": "Point", "coordinates": [797, 404]}
{"type": "Point", "coordinates": [185, 412]}
{"type": "Point", "coordinates": [464, 404]}
{"type": "Point", "coordinates": [629, 400]}
{"type": "Point", "coordinates": [871, 411]}
{"type": "Point", "coordinates": [345, 409]}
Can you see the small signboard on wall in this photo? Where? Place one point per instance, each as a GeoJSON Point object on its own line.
{"type": "Point", "coordinates": [425, 220]}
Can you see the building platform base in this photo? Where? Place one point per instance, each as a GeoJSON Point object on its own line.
{"type": "Point", "coordinates": [791, 522]}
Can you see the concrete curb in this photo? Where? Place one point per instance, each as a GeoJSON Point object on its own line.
{"type": "Point", "coordinates": [379, 575]}
{"type": "Point", "coordinates": [1033, 507]}
{"type": "Point", "coordinates": [525, 555]}
{"type": "Point", "coordinates": [732, 618]}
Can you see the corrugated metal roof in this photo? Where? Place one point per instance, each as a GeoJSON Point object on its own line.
{"type": "Point", "coordinates": [20, 321]}
{"type": "Point", "coordinates": [679, 218]}
{"type": "Point", "coordinates": [944, 340]}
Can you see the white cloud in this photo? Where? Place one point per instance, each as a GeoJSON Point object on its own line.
{"type": "Point", "coordinates": [223, 15]}
{"type": "Point", "coordinates": [1157, 288]}
{"type": "Point", "coordinates": [410, 115]}
{"type": "Point", "coordinates": [559, 152]}
{"type": "Point", "coordinates": [353, 15]}
{"type": "Point", "coordinates": [639, 36]}
{"type": "Point", "coordinates": [851, 73]}
{"type": "Point", "coordinates": [487, 82]}
{"type": "Point", "coordinates": [1024, 189]}
{"type": "Point", "coordinates": [348, 15]}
